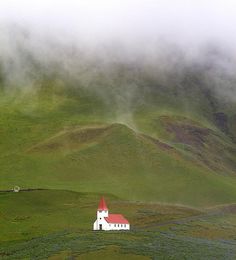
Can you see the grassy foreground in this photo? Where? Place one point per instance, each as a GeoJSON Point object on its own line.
{"type": "Point", "coordinates": [57, 225]}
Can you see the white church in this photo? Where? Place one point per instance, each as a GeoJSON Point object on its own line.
{"type": "Point", "coordinates": [106, 221]}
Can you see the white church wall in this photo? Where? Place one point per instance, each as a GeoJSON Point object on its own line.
{"type": "Point", "coordinates": [100, 221]}
{"type": "Point", "coordinates": [118, 226]}
{"type": "Point", "coordinates": [109, 226]}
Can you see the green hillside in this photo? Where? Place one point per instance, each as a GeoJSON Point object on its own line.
{"type": "Point", "coordinates": [62, 137]}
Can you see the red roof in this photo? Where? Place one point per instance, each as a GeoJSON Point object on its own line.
{"type": "Point", "coordinates": [102, 205]}
{"type": "Point", "coordinates": [117, 219]}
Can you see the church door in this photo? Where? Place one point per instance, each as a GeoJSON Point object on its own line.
{"type": "Point", "coordinates": [100, 226]}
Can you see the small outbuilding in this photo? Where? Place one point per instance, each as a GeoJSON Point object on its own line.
{"type": "Point", "coordinates": [106, 221]}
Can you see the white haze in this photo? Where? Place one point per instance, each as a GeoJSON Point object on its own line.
{"type": "Point", "coordinates": [146, 31]}
{"type": "Point", "coordinates": [188, 22]}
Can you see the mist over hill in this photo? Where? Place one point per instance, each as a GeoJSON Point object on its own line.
{"type": "Point", "coordinates": [117, 92]}
{"type": "Point", "coordinates": [121, 50]}
{"type": "Point", "coordinates": [123, 75]}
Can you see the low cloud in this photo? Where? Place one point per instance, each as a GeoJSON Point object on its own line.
{"type": "Point", "coordinates": [112, 46]}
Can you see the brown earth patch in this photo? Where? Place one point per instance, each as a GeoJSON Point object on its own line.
{"type": "Point", "coordinates": [188, 134]}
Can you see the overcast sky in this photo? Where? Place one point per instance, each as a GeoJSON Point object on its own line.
{"type": "Point", "coordinates": [189, 21]}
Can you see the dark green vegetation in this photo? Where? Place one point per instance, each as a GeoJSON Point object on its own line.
{"type": "Point", "coordinates": [57, 225]}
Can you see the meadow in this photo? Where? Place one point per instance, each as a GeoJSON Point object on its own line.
{"type": "Point", "coordinates": [52, 224]}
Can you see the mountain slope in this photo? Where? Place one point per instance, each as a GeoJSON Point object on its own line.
{"type": "Point", "coordinates": [61, 137]}
{"type": "Point", "coordinates": [115, 159]}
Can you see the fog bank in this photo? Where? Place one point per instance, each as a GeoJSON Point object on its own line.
{"type": "Point", "coordinates": [87, 40]}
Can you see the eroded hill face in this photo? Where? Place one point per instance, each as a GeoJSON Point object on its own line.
{"type": "Point", "coordinates": [204, 144]}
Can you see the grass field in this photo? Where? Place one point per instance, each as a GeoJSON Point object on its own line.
{"type": "Point", "coordinates": [34, 213]}
{"type": "Point", "coordinates": [57, 225]}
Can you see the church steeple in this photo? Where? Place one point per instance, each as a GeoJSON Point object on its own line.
{"type": "Point", "coordinates": [102, 210]}
{"type": "Point", "coordinates": [102, 205]}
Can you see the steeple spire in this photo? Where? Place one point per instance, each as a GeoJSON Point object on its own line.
{"type": "Point", "coordinates": [102, 204]}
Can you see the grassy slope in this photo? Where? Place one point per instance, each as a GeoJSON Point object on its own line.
{"type": "Point", "coordinates": [38, 150]}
